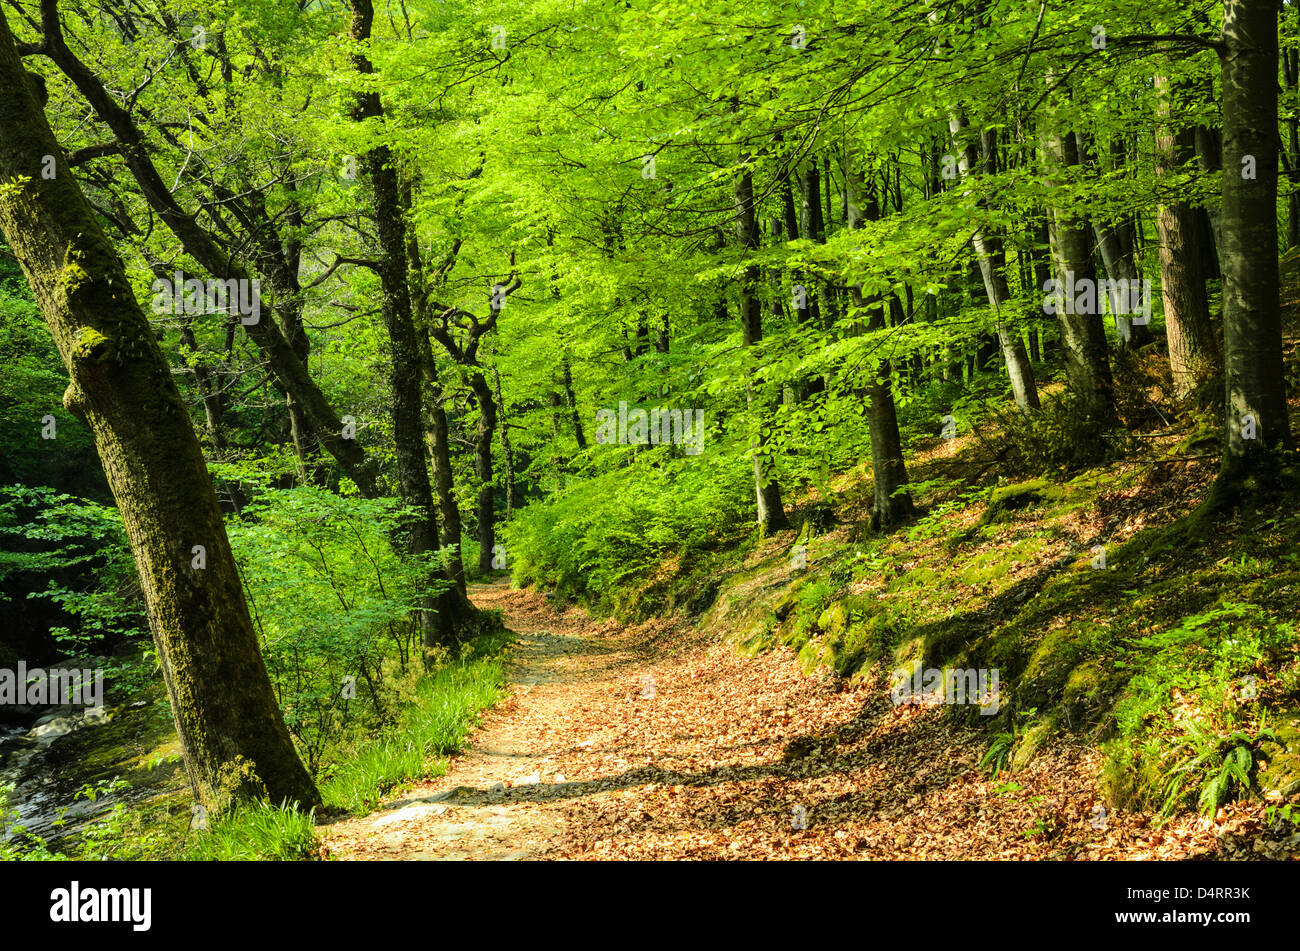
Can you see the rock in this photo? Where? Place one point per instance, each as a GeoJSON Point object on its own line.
{"type": "Point", "coordinates": [47, 733]}
{"type": "Point", "coordinates": [408, 813]}
{"type": "Point", "coordinates": [55, 714]}
{"type": "Point", "coordinates": [532, 780]}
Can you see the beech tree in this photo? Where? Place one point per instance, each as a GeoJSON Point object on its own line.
{"type": "Point", "coordinates": [1257, 426]}
{"type": "Point", "coordinates": [235, 744]}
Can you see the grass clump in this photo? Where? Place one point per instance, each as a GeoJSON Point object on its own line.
{"type": "Point", "coordinates": [259, 832]}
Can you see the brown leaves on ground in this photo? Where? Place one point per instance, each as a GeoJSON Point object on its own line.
{"type": "Point", "coordinates": [652, 742]}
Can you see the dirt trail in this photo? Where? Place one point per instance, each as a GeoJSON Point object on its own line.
{"type": "Point", "coordinates": [657, 742]}
{"type": "Point", "coordinates": [499, 799]}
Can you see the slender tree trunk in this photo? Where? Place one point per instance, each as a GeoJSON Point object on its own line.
{"type": "Point", "coordinates": [991, 258]}
{"type": "Point", "coordinates": [1255, 394]}
{"type": "Point", "coordinates": [233, 738]}
{"type": "Point", "coordinates": [487, 422]}
{"type": "Point", "coordinates": [1291, 76]}
{"type": "Point", "coordinates": [771, 513]}
{"type": "Point", "coordinates": [454, 610]}
{"type": "Point", "coordinates": [1194, 356]}
{"type": "Point", "coordinates": [438, 444]}
{"type": "Point", "coordinates": [1120, 268]}
{"type": "Point", "coordinates": [1115, 243]}
{"type": "Point", "coordinates": [1042, 265]}
{"type": "Point", "coordinates": [891, 503]}
{"type": "Point", "coordinates": [208, 395]}
{"type": "Point", "coordinates": [573, 404]}
{"type": "Point", "coordinates": [1083, 335]}
{"type": "Point", "coordinates": [506, 449]}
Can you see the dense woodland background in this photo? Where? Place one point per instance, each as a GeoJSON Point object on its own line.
{"type": "Point", "coordinates": [838, 238]}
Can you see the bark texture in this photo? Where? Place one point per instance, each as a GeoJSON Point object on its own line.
{"type": "Point", "coordinates": [234, 741]}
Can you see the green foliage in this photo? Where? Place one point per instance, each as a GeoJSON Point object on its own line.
{"type": "Point", "coordinates": [122, 832]}
{"type": "Point", "coordinates": [1061, 438]}
{"type": "Point", "coordinates": [71, 553]}
{"type": "Point", "coordinates": [1002, 747]}
{"type": "Point", "coordinates": [332, 601]}
{"type": "Point", "coordinates": [609, 531]}
{"type": "Point", "coordinates": [31, 392]}
{"type": "Point", "coordinates": [16, 843]}
{"type": "Point", "coordinates": [998, 755]}
{"type": "Point", "coordinates": [1222, 766]}
{"type": "Point", "coordinates": [1187, 723]}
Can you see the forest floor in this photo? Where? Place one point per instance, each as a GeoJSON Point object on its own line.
{"type": "Point", "coordinates": [658, 741]}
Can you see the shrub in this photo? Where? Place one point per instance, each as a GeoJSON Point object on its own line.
{"type": "Point", "coordinates": [332, 601]}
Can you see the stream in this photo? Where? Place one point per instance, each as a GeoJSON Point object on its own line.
{"type": "Point", "coordinates": [47, 754]}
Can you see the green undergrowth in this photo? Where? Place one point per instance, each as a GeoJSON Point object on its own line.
{"type": "Point", "coordinates": [1112, 603]}
{"type": "Point", "coordinates": [257, 833]}
{"type": "Point", "coordinates": [1175, 650]}
{"type": "Point", "coordinates": [639, 540]}
{"type": "Point", "coordinates": [138, 805]}
{"type": "Point", "coordinates": [443, 710]}
{"type": "Point", "coordinates": [430, 724]}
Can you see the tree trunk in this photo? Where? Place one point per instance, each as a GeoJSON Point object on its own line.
{"type": "Point", "coordinates": [991, 258]}
{"type": "Point", "coordinates": [1042, 265]}
{"type": "Point", "coordinates": [454, 609]}
{"type": "Point", "coordinates": [421, 532]}
{"type": "Point", "coordinates": [1254, 388]}
{"type": "Point", "coordinates": [1291, 75]}
{"type": "Point", "coordinates": [573, 404]}
{"type": "Point", "coordinates": [438, 444]}
{"type": "Point", "coordinates": [507, 450]}
{"type": "Point", "coordinates": [1119, 267]}
{"type": "Point", "coordinates": [1083, 335]}
{"type": "Point", "coordinates": [1115, 242]}
{"type": "Point", "coordinates": [891, 504]}
{"type": "Point", "coordinates": [1193, 350]}
{"type": "Point", "coordinates": [487, 422]}
{"type": "Point", "coordinates": [233, 738]}
{"type": "Point", "coordinates": [771, 512]}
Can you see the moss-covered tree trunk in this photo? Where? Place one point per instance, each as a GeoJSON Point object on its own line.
{"type": "Point", "coordinates": [234, 740]}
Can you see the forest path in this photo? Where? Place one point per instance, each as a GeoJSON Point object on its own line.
{"type": "Point", "coordinates": [716, 756]}
{"type": "Point", "coordinates": [498, 799]}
